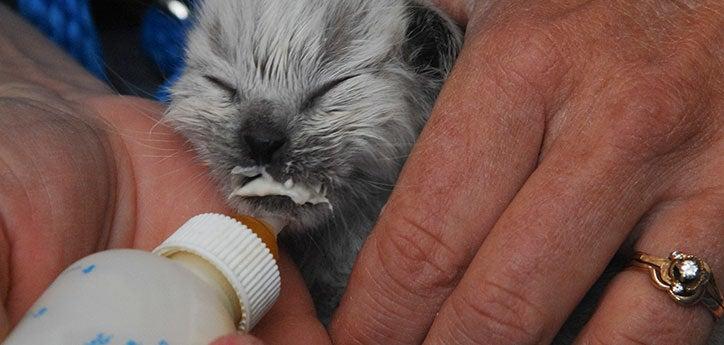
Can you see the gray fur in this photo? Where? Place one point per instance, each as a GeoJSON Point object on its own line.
{"type": "Point", "coordinates": [271, 63]}
{"type": "Point", "coordinates": [353, 138]}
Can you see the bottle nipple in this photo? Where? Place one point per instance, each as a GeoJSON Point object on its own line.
{"type": "Point", "coordinates": [267, 232]}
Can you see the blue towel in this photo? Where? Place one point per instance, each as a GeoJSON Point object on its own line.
{"type": "Point", "coordinates": [69, 24]}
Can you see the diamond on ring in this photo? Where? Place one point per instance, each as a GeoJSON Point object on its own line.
{"type": "Point", "coordinates": [677, 288]}
{"type": "Point", "coordinates": [687, 269]}
{"type": "Point", "coordinates": [676, 255]}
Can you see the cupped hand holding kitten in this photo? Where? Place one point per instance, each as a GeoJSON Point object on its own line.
{"type": "Point", "coordinates": [83, 170]}
{"type": "Point", "coordinates": [564, 126]}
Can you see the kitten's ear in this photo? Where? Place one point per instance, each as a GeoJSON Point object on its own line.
{"type": "Point", "coordinates": [432, 40]}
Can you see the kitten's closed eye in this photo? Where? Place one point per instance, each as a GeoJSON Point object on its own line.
{"type": "Point", "coordinates": [323, 89]}
{"type": "Point", "coordinates": [223, 85]}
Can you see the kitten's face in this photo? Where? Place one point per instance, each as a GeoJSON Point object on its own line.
{"type": "Point", "coordinates": [325, 93]}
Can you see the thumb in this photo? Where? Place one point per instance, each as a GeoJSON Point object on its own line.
{"type": "Point", "coordinates": [237, 339]}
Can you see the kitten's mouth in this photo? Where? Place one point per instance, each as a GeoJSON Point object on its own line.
{"type": "Point", "coordinates": [258, 184]}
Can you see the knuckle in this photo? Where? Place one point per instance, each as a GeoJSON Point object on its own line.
{"type": "Point", "coordinates": [641, 329]}
{"type": "Point", "coordinates": [524, 52]}
{"type": "Point", "coordinates": [615, 337]}
{"type": "Point", "coordinates": [418, 259]}
{"type": "Point", "coordinates": [647, 122]}
{"type": "Point", "coordinates": [494, 313]}
{"type": "Point", "coordinates": [651, 322]}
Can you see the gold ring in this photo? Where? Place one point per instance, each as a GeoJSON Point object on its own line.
{"type": "Point", "coordinates": [687, 278]}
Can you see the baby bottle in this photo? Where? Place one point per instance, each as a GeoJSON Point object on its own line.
{"type": "Point", "coordinates": [213, 276]}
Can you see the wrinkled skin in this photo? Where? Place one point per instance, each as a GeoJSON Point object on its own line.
{"type": "Point", "coordinates": [595, 118]}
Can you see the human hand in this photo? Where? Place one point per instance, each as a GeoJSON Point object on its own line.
{"type": "Point", "coordinates": [564, 126]}
{"type": "Point", "coordinates": [82, 170]}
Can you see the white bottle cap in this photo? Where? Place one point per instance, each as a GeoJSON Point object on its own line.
{"type": "Point", "coordinates": [238, 254]}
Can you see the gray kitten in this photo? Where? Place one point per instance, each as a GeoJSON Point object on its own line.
{"type": "Point", "coordinates": [328, 93]}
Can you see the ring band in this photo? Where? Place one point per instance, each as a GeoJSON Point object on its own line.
{"type": "Point", "coordinates": [687, 278]}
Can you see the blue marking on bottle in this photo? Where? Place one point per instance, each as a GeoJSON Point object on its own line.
{"type": "Point", "coordinates": [133, 342]}
{"type": "Point", "coordinates": [100, 339]}
{"type": "Point", "coordinates": [40, 312]}
{"type": "Point", "coordinates": [89, 269]}
{"type": "Point", "coordinates": [163, 342]}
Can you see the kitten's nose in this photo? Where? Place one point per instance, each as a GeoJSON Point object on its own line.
{"type": "Point", "coordinates": [263, 146]}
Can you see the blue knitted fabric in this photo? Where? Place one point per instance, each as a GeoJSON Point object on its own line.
{"type": "Point", "coordinates": [69, 24]}
{"type": "Point", "coordinates": [163, 38]}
